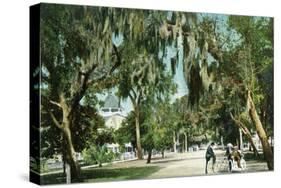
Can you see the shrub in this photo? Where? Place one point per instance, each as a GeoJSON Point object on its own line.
{"type": "Point", "coordinates": [98, 155]}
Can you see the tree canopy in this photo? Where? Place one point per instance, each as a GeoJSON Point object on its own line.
{"type": "Point", "coordinates": [227, 64]}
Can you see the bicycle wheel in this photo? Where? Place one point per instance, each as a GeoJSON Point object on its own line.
{"type": "Point", "coordinates": [221, 165]}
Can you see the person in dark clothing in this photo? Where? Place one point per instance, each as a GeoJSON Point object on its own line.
{"type": "Point", "coordinates": [228, 153]}
{"type": "Point", "coordinates": [210, 154]}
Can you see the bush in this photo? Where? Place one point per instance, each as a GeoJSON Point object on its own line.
{"type": "Point", "coordinates": [98, 155]}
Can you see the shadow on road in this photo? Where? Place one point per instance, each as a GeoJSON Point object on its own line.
{"type": "Point", "coordinates": [175, 160]}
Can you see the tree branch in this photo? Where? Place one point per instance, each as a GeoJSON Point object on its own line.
{"type": "Point", "coordinates": [133, 100]}
{"type": "Point", "coordinates": [118, 62]}
{"type": "Point", "coordinates": [134, 93]}
{"type": "Point", "coordinates": [140, 96]}
{"type": "Point", "coordinates": [55, 103]}
{"type": "Point", "coordinates": [238, 123]}
{"type": "Point", "coordinates": [55, 120]}
{"type": "Point", "coordinates": [116, 65]}
{"type": "Point", "coordinates": [86, 82]}
{"type": "Point", "coordinates": [246, 132]}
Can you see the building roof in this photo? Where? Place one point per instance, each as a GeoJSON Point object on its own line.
{"type": "Point", "coordinates": [111, 102]}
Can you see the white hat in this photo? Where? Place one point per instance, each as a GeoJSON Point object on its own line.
{"type": "Point", "coordinates": [229, 145]}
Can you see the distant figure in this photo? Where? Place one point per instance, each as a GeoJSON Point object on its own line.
{"type": "Point", "coordinates": [210, 154]}
{"type": "Point", "coordinates": [236, 154]}
{"type": "Point", "coordinates": [228, 153]}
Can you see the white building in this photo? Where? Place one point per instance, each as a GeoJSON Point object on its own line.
{"type": "Point", "coordinates": [113, 114]}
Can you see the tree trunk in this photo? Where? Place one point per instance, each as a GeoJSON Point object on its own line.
{"type": "Point", "coordinates": [175, 142]}
{"type": "Point", "coordinates": [185, 142]}
{"type": "Point", "coordinates": [241, 145]}
{"type": "Point", "coordinates": [71, 155]}
{"type": "Point", "coordinates": [64, 163]}
{"type": "Point", "coordinates": [222, 141]}
{"type": "Point", "coordinates": [139, 149]}
{"type": "Point", "coordinates": [149, 156]}
{"type": "Point", "coordinates": [178, 139]}
{"type": "Point", "coordinates": [249, 137]}
{"type": "Point", "coordinates": [247, 133]}
{"type": "Point", "coordinates": [69, 151]}
{"type": "Point", "coordinates": [163, 153]}
{"type": "Point", "coordinates": [63, 155]}
{"type": "Point", "coordinates": [261, 133]}
{"type": "Point", "coordinates": [68, 173]}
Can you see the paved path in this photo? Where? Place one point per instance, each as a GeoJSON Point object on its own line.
{"type": "Point", "coordinates": [184, 164]}
{"type": "Point", "coordinates": [193, 164]}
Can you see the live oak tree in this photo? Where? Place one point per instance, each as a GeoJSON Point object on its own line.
{"type": "Point", "coordinates": [244, 77]}
{"type": "Point", "coordinates": [156, 32]}
{"type": "Point", "coordinates": [254, 56]}
{"type": "Point", "coordinates": [232, 104]}
{"type": "Point", "coordinates": [143, 75]}
{"type": "Point", "coordinates": [77, 53]}
{"type": "Point", "coordinates": [247, 64]}
{"type": "Point", "coordinates": [147, 80]}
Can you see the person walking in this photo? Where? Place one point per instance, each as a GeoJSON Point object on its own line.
{"type": "Point", "coordinates": [210, 154]}
{"type": "Point", "coordinates": [228, 153]}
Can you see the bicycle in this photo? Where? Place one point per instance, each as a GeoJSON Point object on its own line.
{"type": "Point", "coordinates": [229, 165]}
{"type": "Point", "coordinates": [223, 165]}
{"type": "Point", "coordinates": [234, 165]}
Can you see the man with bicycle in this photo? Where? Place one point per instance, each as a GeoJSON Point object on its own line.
{"type": "Point", "coordinates": [210, 154]}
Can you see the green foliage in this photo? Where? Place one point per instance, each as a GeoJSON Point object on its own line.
{"type": "Point", "coordinates": [81, 56]}
{"type": "Point", "coordinates": [158, 126]}
{"type": "Point", "coordinates": [127, 131]}
{"type": "Point", "coordinates": [102, 136]}
{"type": "Point", "coordinates": [78, 59]}
{"type": "Point", "coordinates": [84, 133]}
{"type": "Point", "coordinates": [98, 155]}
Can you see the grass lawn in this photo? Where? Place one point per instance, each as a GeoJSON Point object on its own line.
{"type": "Point", "coordinates": [102, 175]}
